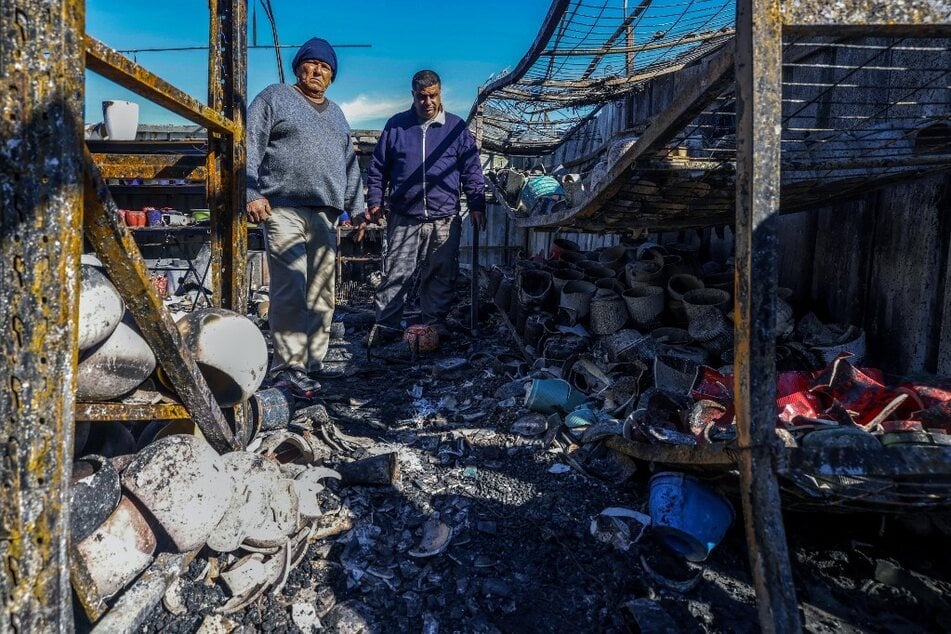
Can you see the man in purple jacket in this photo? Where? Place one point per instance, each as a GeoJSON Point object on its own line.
{"type": "Point", "coordinates": [422, 158]}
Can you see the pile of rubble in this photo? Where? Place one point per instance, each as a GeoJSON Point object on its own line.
{"type": "Point", "coordinates": [487, 529]}
{"type": "Point", "coordinates": [473, 489]}
{"type": "Point", "coordinates": [641, 337]}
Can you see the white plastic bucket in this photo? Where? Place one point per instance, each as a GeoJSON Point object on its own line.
{"type": "Point", "coordinates": [121, 119]}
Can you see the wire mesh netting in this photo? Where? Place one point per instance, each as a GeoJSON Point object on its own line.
{"type": "Point", "coordinates": [857, 114]}
{"type": "Point", "coordinates": [597, 52]}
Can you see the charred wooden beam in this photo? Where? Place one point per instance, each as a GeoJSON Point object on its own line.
{"type": "Point", "coordinates": [908, 463]}
{"type": "Point", "coordinates": [136, 603]}
{"type": "Point", "coordinates": [120, 69]}
{"type": "Point", "coordinates": [673, 454]}
{"type": "Point", "coordinates": [119, 254]}
{"type": "Point", "coordinates": [759, 121]}
{"type": "Point", "coordinates": [41, 133]}
{"type": "Point", "coordinates": [151, 166]}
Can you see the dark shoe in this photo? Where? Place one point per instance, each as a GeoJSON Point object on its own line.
{"type": "Point", "coordinates": [381, 335]}
{"type": "Point", "coordinates": [327, 372]}
{"type": "Point", "coordinates": [298, 383]}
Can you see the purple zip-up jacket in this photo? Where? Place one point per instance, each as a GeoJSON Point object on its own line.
{"type": "Point", "coordinates": [425, 187]}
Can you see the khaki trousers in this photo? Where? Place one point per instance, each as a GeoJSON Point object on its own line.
{"type": "Point", "coordinates": [301, 248]}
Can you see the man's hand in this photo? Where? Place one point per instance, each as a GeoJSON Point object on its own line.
{"type": "Point", "coordinates": [478, 219]}
{"type": "Point", "coordinates": [259, 210]}
{"type": "Point", "coordinates": [374, 214]}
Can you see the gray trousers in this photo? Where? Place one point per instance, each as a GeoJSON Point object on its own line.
{"type": "Point", "coordinates": [301, 249]}
{"type": "Point", "coordinates": [412, 243]}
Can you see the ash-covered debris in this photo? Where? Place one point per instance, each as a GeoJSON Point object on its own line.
{"type": "Point", "coordinates": [499, 518]}
{"type": "Point", "coordinates": [476, 488]}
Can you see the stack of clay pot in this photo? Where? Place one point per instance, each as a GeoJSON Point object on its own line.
{"type": "Point", "coordinates": [642, 285]}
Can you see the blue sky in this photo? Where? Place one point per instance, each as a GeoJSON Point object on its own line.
{"type": "Point", "coordinates": [465, 42]}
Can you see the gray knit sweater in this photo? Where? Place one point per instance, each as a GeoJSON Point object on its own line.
{"type": "Point", "coordinates": [299, 155]}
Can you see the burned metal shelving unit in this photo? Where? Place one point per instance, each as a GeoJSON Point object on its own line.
{"type": "Point", "coordinates": [53, 193]}
{"type": "Point", "coordinates": [730, 127]}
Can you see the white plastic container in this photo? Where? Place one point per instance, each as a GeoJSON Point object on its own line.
{"type": "Point", "coordinates": [121, 119]}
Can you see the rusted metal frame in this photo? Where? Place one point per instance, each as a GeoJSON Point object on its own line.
{"type": "Point", "coordinates": [226, 161]}
{"type": "Point", "coordinates": [227, 85]}
{"type": "Point", "coordinates": [884, 18]}
{"type": "Point", "coordinates": [555, 12]}
{"type": "Point", "coordinates": [151, 166]}
{"type": "Point", "coordinates": [107, 412]}
{"type": "Point", "coordinates": [696, 96]}
{"type": "Point", "coordinates": [624, 28]}
{"type": "Point", "coordinates": [137, 602]}
{"type": "Point", "coordinates": [759, 121]}
{"type": "Point", "coordinates": [41, 133]}
{"type": "Point", "coordinates": [119, 254]}
{"type": "Point", "coordinates": [120, 69]}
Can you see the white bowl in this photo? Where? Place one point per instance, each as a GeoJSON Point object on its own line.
{"type": "Point", "coordinates": [230, 351]}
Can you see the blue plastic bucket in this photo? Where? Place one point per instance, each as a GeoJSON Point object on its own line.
{"type": "Point", "coordinates": [550, 395]}
{"type": "Point", "coordinates": [689, 517]}
{"type": "Point", "coordinates": [585, 416]}
{"type": "Point", "coordinates": [538, 186]}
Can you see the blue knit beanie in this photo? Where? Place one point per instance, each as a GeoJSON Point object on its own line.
{"type": "Point", "coordinates": [319, 49]}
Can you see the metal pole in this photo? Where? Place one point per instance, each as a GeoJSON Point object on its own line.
{"type": "Point", "coordinates": [41, 177]}
{"type": "Point", "coordinates": [474, 290]}
{"type": "Point", "coordinates": [759, 117]}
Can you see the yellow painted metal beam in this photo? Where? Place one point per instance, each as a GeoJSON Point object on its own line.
{"type": "Point", "coordinates": [119, 254]}
{"type": "Point", "coordinates": [120, 69]}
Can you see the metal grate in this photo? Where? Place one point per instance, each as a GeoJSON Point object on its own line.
{"type": "Point", "coordinates": [857, 114]}
{"type": "Point", "coordinates": [595, 52]}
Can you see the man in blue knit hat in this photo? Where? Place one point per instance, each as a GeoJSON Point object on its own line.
{"type": "Point", "coordinates": [302, 174]}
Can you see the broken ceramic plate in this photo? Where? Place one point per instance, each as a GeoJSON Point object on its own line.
{"type": "Point", "coordinates": [621, 527]}
{"type": "Point", "coordinates": [281, 516]}
{"type": "Point", "coordinates": [100, 308]}
{"type": "Point", "coordinates": [247, 573]}
{"type": "Point", "coordinates": [307, 486]}
{"type": "Point", "coordinates": [184, 485]}
{"type": "Point", "coordinates": [249, 510]}
{"type": "Point", "coordinates": [173, 601]}
{"type": "Point", "coordinates": [94, 495]}
{"type": "Point", "coordinates": [231, 529]}
{"type": "Point", "coordinates": [116, 366]}
{"type": "Point", "coordinates": [114, 554]}
{"type": "Point", "coordinates": [233, 372]}
{"type": "Point", "coordinates": [435, 539]}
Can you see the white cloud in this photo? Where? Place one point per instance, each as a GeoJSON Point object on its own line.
{"type": "Point", "coordinates": [364, 109]}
